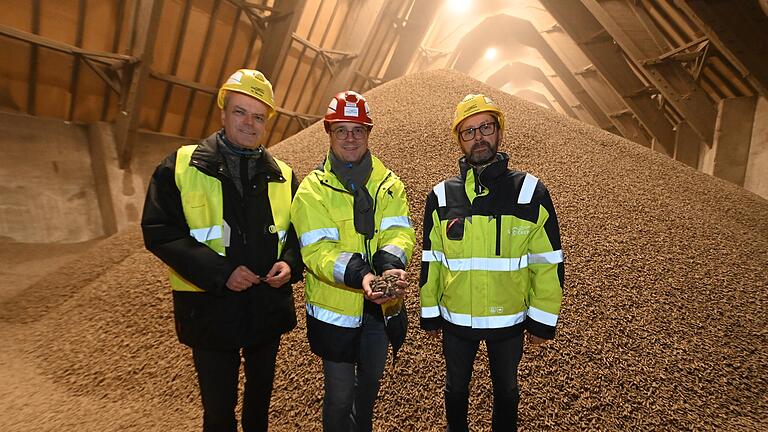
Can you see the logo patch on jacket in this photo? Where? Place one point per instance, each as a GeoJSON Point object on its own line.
{"type": "Point", "coordinates": [519, 230]}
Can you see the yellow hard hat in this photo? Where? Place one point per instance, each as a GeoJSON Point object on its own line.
{"type": "Point", "coordinates": [473, 104]}
{"type": "Point", "coordinates": [252, 83]}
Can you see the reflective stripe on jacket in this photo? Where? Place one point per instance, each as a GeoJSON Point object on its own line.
{"type": "Point", "coordinates": [322, 214]}
{"type": "Point", "coordinates": [492, 259]}
{"type": "Point", "coordinates": [203, 204]}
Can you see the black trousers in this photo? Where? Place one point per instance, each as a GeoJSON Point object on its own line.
{"type": "Point", "coordinates": [504, 356]}
{"type": "Point", "coordinates": [217, 376]}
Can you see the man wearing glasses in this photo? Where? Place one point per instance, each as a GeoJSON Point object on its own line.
{"type": "Point", "coordinates": [492, 264]}
{"type": "Point", "coordinates": [351, 216]}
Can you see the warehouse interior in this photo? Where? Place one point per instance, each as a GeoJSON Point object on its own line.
{"type": "Point", "coordinates": [656, 110]}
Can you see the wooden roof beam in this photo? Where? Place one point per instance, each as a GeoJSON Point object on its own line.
{"type": "Point", "coordinates": [622, 20]}
{"type": "Point", "coordinates": [579, 23]}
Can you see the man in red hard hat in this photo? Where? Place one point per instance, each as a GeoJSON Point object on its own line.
{"type": "Point", "coordinates": [351, 216]}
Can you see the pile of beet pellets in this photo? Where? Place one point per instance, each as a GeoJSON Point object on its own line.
{"type": "Point", "coordinates": [663, 324]}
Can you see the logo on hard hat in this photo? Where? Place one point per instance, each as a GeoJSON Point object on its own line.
{"type": "Point", "coordinates": [350, 110]}
{"type": "Point", "coordinates": [470, 108]}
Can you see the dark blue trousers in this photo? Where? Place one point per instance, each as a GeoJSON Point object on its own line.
{"type": "Point", "coordinates": [504, 357]}
{"type": "Point", "coordinates": [351, 388]}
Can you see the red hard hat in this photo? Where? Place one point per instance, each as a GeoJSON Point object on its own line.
{"type": "Point", "coordinates": [348, 106]}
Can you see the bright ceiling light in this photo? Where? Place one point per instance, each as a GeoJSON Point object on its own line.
{"type": "Point", "coordinates": [459, 6]}
{"type": "Point", "coordinates": [490, 53]}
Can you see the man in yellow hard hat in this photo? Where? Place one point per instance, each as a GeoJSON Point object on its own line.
{"type": "Point", "coordinates": [218, 214]}
{"type": "Point", "coordinates": [492, 264]}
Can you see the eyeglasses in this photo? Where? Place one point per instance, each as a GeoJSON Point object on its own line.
{"type": "Point", "coordinates": [485, 130]}
{"type": "Point", "coordinates": [341, 133]}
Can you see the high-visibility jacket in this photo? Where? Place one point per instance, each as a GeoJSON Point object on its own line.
{"type": "Point", "coordinates": [337, 257]}
{"type": "Point", "coordinates": [492, 263]}
{"type": "Point", "coordinates": [203, 204]}
{"type": "Point", "coordinates": [200, 224]}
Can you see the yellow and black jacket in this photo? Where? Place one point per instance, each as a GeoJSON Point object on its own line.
{"type": "Point", "coordinates": [492, 263]}
{"type": "Point", "coordinates": [337, 257]}
{"type": "Point", "coordinates": [197, 222]}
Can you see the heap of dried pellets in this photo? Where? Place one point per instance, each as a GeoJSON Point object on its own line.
{"type": "Point", "coordinates": [663, 325]}
{"type": "Point", "coordinates": [386, 284]}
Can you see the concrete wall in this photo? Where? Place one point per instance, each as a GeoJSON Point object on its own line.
{"type": "Point", "coordinates": [47, 189]}
{"type": "Point", "coordinates": [59, 181]}
{"type": "Point", "coordinates": [756, 176]}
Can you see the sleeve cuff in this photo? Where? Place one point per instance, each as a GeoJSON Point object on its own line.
{"type": "Point", "coordinates": [429, 324]}
{"type": "Point", "coordinates": [356, 270]}
{"type": "Point", "coordinates": [538, 329]}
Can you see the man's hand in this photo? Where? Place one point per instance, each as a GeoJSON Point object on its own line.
{"type": "Point", "coordinates": [241, 279]}
{"type": "Point", "coordinates": [434, 334]}
{"type": "Point", "coordinates": [535, 340]}
{"type": "Point", "coordinates": [402, 283]}
{"type": "Point", "coordinates": [376, 297]}
{"type": "Point", "coordinates": [278, 275]}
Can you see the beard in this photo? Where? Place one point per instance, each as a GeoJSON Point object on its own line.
{"type": "Point", "coordinates": [481, 153]}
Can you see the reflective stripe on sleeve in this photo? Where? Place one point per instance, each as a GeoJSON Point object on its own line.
{"type": "Point", "coordinates": [475, 263]}
{"type": "Point", "coordinates": [486, 322]}
{"type": "Point", "coordinates": [395, 221]}
{"type": "Point", "coordinates": [439, 190]}
{"type": "Point", "coordinates": [554, 257]}
{"type": "Point", "coordinates": [205, 234]}
{"type": "Point", "coordinates": [396, 251]}
{"type": "Point", "coordinates": [430, 312]}
{"type": "Point", "coordinates": [315, 236]}
{"type": "Point", "coordinates": [542, 317]}
{"type": "Point", "coordinates": [281, 236]}
{"type": "Point", "coordinates": [526, 191]}
{"type": "Point", "coordinates": [340, 267]}
{"type": "Point", "coordinates": [334, 318]}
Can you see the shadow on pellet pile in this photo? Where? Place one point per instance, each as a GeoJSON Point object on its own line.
{"type": "Point", "coordinates": [662, 326]}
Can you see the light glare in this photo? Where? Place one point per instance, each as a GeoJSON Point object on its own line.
{"type": "Point", "coordinates": [459, 6]}
{"type": "Point", "coordinates": [490, 53]}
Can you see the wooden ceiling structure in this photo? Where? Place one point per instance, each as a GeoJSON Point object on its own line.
{"type": "Point", "coordinates": [659, 72]}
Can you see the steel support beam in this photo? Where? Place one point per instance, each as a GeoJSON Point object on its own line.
{"type": "Point", "coordinates": [81, 15]}
{"type": "Point", "coordinates": [733, 135]}
{"type": "Point", "coordinates": [416, 26]}
{"type": "Point", "coordinates": [33, 57]}
{"type": "Point", "coordinates": [127, 122]}
{"type": "Point", "coordinates": [579, 23]}
{"type": "Point", "coordinates": [687, 145]}
{"type": "Point", "coordinates": [595, 84]}
{"type": "Point", "coordinates": [739, 30]}
{"type": "Point", "coordinates": [277, 40]}
{"type": "Point", "coordinates": [625, 23]}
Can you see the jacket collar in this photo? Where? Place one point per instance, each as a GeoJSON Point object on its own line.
{"type": "Point", "coordinates": [378, 173]}
{"type": "Point", "coordinates": [490, 173]}
{"type": "Point", "coordinates": [207, 158]}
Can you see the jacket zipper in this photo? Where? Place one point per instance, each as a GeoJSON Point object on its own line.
{"type": "Point", "coordinates": [498, 235]}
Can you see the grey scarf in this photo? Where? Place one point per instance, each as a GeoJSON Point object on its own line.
{"type": "Point", "coordinates": [354, 177]}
